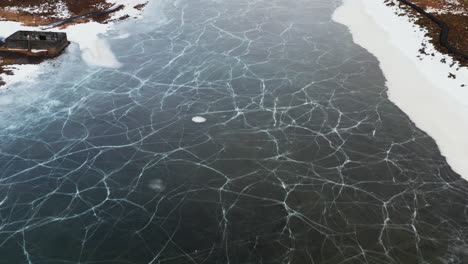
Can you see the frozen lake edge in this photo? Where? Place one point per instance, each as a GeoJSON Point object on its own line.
{"type": "Point", "coordinates": [421, 88]}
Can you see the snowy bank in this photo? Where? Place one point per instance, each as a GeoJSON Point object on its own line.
{"type": "Point", "coordinates": [22, 73]}
{"type": "Point", "coordinates": [421, 88]}
{"type": "Point", "coordinates": [94, 48]}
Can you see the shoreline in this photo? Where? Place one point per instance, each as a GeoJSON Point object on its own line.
{"type": "Point", "coordinates": [419, 86]}
{"type": "Point", "coordinates": [443, 35]}
{"type": "Point", "coordinates": [95, 50]}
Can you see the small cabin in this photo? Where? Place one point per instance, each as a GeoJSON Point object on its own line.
{"type": "Point", "coordinates": [50, 43]}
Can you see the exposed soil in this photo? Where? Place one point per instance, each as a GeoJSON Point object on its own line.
{"type": "Point", "coordinates": [453, 12]}
{"type": "Point", "coordinates": [43, 12]}
{"type": "Point", "coordinates": [49, 8]}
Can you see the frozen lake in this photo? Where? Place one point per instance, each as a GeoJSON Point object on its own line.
{"type": "Point", "coordinates": [234, 132]}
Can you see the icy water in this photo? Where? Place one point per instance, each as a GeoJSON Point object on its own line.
{"type": "Point", "coordinates": [235, 132]}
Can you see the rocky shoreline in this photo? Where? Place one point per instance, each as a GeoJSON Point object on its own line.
{"type": "Point", "coordinates": [446, 23]}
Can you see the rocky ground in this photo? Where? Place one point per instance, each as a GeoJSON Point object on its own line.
{"type": "Point", "coordinates": [453, 12]}
{"type": "Point", "coordinates": [44, 12]}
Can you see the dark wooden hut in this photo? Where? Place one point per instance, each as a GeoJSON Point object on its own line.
{"type": "Point", "coordinates": [50, 43]}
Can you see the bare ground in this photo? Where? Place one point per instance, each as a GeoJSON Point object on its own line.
{"type": "Point", "coordinates": [453, 12]}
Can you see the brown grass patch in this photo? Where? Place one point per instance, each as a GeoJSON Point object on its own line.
{"type": "Point", "coordinates": [458, 23]}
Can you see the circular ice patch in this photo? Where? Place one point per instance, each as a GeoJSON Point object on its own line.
{"type": "Point", "coordinates": [199, 119]}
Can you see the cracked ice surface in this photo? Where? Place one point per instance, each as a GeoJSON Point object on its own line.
{"type": "Point", "coordinates": [303, 158]}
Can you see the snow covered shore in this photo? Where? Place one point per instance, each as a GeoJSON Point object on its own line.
{"type": "Point", "coordinates": [421, 88]}
{"type": "Point", "coordinates": [94, 48]}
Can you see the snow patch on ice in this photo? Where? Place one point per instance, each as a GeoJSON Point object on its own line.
{"type": "Point", "coordinates": [22, 73]}
{"type": "Point", "coordinates": [95, 49]}
{"type": "Point", "coordinates": [100, 54]}
{"type": "Point", "coordinates": [157, 185]}
{"type": "Point", "coordinates": [122, 36]}
{"type": "Point", "coordinates": [199, 119]}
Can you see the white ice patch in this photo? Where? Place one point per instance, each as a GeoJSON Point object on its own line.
{"type": "Point", "coordinates": [122, 36]}
{"type": "Point", "coordinates": [100, 54]}
{"type": "Point", "coordinates": [421, 88]}
{"type": "Point", "coordinates": [157, 185]}
{"type": "Point", "coordinates": [95, 50]}
{"type": "Point", "coordinates": [199, 119]}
